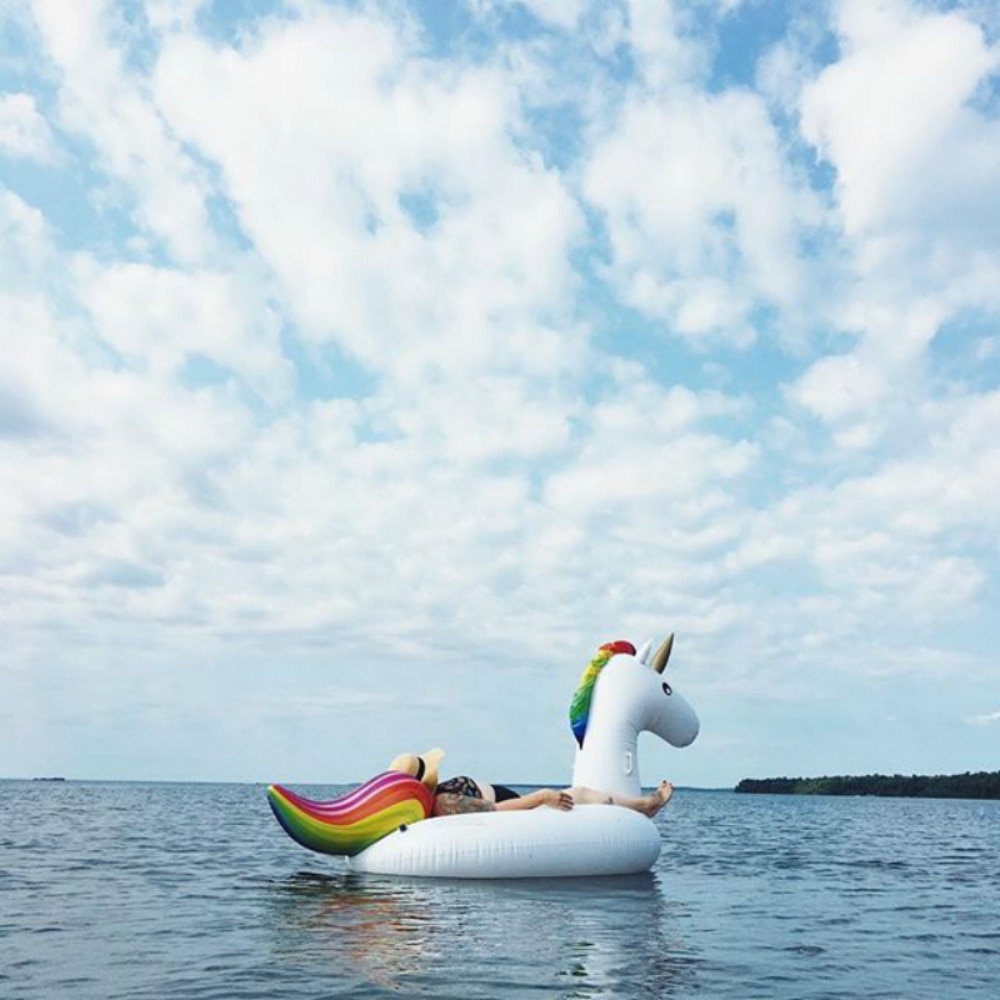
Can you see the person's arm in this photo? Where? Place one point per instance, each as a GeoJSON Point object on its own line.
{"type": "Point", "coordinates": [542, 797]}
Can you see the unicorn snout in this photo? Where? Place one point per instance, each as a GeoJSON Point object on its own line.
{"type": "Point", "coordinates": [677, 723]}
{"type": "Point", "coordinates": [687, 733]}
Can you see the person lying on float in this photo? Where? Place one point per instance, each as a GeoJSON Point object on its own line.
{"type": "Point", "coordinates": [463, 794]}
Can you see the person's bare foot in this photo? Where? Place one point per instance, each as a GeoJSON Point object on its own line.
{"type": "Point", "coordinates": [658, 799]}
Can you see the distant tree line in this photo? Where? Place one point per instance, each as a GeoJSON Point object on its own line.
{"type": "Point", "coordinates": [978, 785]}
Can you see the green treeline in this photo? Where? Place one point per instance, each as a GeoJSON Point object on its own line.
{"type": "Point", "coordinates": [981, 785]}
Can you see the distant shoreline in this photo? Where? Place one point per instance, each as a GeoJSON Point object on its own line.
{"type": "Point", "coordinates": [970, 785]}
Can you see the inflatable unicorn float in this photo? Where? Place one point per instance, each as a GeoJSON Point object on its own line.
{"type": "Point", "coordinates": [385, 826]}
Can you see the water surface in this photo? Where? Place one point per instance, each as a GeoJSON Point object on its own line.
{"type": "Point", "coordinates": [167, 891]}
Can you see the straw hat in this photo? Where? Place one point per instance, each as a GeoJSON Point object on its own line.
{"type": "Point", "coordinates": [423, 767]}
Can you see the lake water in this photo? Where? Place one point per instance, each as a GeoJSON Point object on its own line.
{"type": "Point", "coordinates": [192, 891]}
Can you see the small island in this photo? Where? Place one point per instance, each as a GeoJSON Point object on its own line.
{"type": "Point", "coordinates": [977, 785]}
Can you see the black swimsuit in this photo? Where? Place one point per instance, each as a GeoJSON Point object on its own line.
{"type": "Point", "coordinates": [464, 785]}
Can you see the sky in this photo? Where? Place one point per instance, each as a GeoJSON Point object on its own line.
{"type": "Point", "coordinates": [366, 365]}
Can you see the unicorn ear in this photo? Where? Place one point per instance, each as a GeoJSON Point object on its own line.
{"type": "Point", "coordinates": [643, 655]}
{"type": "Point", "coordinates": [663, 654]}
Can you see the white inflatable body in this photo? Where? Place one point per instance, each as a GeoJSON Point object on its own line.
{"type": "Point", "coordinates": [630, 695]}
{"type": "Point", "coordinates": [536, 843]}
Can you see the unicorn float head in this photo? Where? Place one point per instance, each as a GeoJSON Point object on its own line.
{"type": "Point", "coordinates": [621, 694]}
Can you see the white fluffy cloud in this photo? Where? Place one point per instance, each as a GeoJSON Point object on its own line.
{"type": "Point", "coordinates": [103, 100]}
{"type": "Point", "coordinates": [24, 133]}
{"type": "Point", "coordinates": [389, 366]}
{"type": "Point", "coordinates": [703, 216]}
{"type": "Point", "coordinates": [648, 447]}
{"type": "Point", "coordinates": [157, 319]}
{"type": "Point", "coordinates": [916, 155]}
{"type": "Point", "coordinates": [26, 246]}
{"type": "Point", "coordinates": [894, 116]}
{"type": "Point", "coordinates": [560, 13]}
{"type": "Point", "coordinates": [403, 223]}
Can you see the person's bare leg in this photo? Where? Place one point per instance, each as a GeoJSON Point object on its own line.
{"type": "Point", "coordinates": [649, 805]}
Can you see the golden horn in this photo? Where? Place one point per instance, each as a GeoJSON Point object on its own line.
{"type": "Point", "coordinates": [663, 654]}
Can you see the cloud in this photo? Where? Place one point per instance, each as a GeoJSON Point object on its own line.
{"type": "Point", "coordinates": [105, 101]}
{"type": "Point", "coordinates": [403, 222]}
{"type": "Point", "coordinates": [560, 13]}
{"type": "Point", "coordinates": [907, 536]}
{"type": "Point", "coordinates": [900, 118]}
{"type": "Point", "coordinates": [704, 218]}
{"type": "Point", "coordinates": [647, 447]}
{"type": "Point", "coordinates": [24, 133]}
{"type": "Point", "coordinates": [352, 358]}
{"type": "Point", "coordinates": [985, 719]}
{"type": "Point", "coordinates": [159, 319]}
{"type": "Point", "coordinates": [894, 116]}
{"type": "Point", "coordinates": [27, 245]}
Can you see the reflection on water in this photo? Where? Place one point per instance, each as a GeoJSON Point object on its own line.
{"type": "Point", "coordinates": [581, 938]}
{"type": "Point", "coordinates": [369, 926]}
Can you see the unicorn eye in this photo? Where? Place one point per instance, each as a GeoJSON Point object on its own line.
{"type": "Point", "coordinates": [667, 689]}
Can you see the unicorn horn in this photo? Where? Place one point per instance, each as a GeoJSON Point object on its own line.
{"type": "Point", "coordinates": [663, 654]}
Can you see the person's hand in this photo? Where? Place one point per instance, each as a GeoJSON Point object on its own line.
{"type": "Point", "coordinates": [558, 800]}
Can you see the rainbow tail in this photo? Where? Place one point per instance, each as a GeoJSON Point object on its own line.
{"type": "Point", "coordinates": [354, 821]}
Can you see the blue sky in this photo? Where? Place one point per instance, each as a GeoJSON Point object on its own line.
{"type": "Point", "coordinates": [367, 365]}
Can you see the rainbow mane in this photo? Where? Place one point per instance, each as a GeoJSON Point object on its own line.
{"type": "Point", "coordinates": [354, 821]}
{"type": "Point", "coordinates": [579, 709]}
